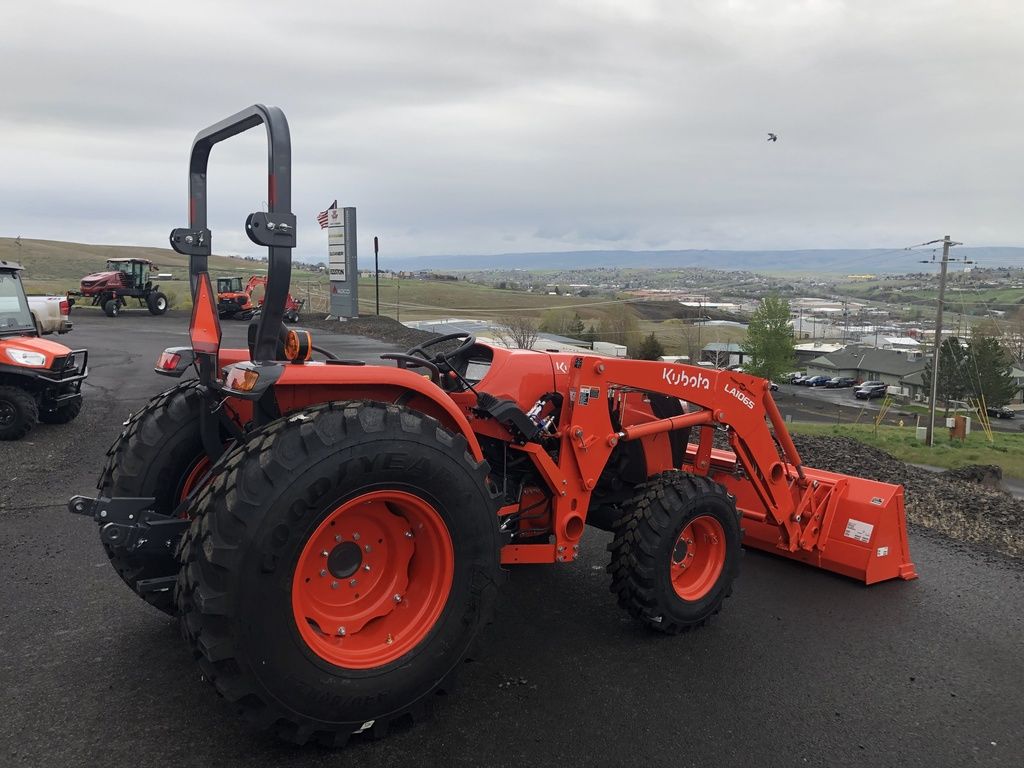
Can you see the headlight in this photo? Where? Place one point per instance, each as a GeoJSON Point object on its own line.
{"type": "Point", "coordinates": [26, 356]}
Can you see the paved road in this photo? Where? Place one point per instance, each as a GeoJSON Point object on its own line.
{"type": "Point", "coordinates": [839, 405]}
{"type": "Point", "coordinates": [801, 668]}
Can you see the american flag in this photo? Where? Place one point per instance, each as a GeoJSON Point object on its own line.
{"type": "Point", "coordinates": [322, 216]}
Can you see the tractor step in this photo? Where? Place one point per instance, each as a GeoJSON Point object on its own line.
{"type": "Point", "coordinates": [129, 523]}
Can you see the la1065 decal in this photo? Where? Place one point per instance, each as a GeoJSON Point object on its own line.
{"type": "Point", "coordinates": [742, 397]}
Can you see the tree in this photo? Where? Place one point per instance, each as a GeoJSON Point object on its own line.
{"type": "Point", "coordinates": [516, 331]}
{"type": "Point", "coordinates": [769, 344]}
{"type": "Point", "coordinates": [589, 336]}
{"type": "Point", "coordinates": [562, 322]}
{"type": "Point", "coordinates": [990, 371]}
{"type": "Point", "coordinates": [649, 349]}
{"type": "Point", "coordinates": [619, 326]}
{"type": "Point", "coordinates": [953, 382]}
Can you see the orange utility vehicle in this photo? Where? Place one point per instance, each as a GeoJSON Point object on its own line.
{"type": "Point", "coordinates": [40, 380]}
{"type": "Point", "coordinates": [332, 534]}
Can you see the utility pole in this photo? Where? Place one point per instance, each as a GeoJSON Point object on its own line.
{"type": "Point", "coordinates": [376, 270]}
{"type": "Point", "coordinates": [947, 243]}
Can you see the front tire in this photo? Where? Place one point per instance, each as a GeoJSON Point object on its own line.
{"type": "Point", "coordinates": [339, 569]}
{"type": "Point", "coordinates": [676, 552]}
{"type": "Point", "coordinates": [157, 303]}
{"type": "Point", "coordinates": [18, 413]}
{"type": "Point", "coordinates": [111, 307]}
{"type": "Point", "coordinates": [62, 414]}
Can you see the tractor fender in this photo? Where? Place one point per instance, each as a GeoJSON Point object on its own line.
{"type": "Point", "coordinates": [300, 386]}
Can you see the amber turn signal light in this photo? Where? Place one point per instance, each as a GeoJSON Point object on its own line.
{"type": "Point", "coordinates": [241, 379]}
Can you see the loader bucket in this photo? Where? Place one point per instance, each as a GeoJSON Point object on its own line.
{"type": "Point", "coordinates": [849, 525]}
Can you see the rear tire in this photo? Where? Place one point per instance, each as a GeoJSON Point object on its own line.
{"type": "Point", "coordinates": [111, 308]}
{"type": "Point", "coordinates": [283, 635]}
{"type": "Point", "coordinates": [157, 303]}
{"type": "Point", "coordinates": [18, 413]}
{"type": "Point", "coordinates": [62, 414]}
{"type": "Point", "coordinates": [154, 456]}
{"type": "Point", "coordinates": [676, 552]}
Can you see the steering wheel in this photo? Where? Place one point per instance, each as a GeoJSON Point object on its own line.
{"type": "Point", "coordinates": [421, 349]}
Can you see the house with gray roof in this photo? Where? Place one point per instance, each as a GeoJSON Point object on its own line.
{"type": "Point", "coordinates": [869, 364]}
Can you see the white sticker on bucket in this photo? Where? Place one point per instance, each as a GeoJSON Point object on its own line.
{"type": "Point", "coordinates": [858, 531]}
{"type": "Point", "coordinates": [882, 552]}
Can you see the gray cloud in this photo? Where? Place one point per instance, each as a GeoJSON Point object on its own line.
{"type": "Point", "coordinates": [461, 127]}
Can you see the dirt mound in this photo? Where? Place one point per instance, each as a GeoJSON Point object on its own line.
{"type": "Point", "coordinates": [990, 475]}
{"type": "Point", "coordinates": [381, 328]}
{"type": "Point", "coordinates": [953, 503]}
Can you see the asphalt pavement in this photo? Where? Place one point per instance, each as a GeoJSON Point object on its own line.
{"type": "Point", "coordinates": [801, 668]}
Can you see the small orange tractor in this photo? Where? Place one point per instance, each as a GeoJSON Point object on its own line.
{"type": "Point", "coordinates": [235, 301]}
{"type": "Point", "coordinates": [332, 535]}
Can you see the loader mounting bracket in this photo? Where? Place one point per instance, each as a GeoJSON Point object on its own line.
{"type": "Point", "coordinates": [129, 523]}
{"type": "Point", "coordinates": [191, 242]}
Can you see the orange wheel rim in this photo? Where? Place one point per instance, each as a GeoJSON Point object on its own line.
{"type": "Point", "coordinates": [698, 558]}
{"type": "Point", "coordinates": [199, 469]}
{"type": "Point", "coordinates": [373, 579]}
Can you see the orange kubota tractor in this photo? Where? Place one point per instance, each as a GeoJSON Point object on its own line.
{"type": "Point", "coordinates": [235, 301]}
{"type": "Point", "coordinates": [332, 534]}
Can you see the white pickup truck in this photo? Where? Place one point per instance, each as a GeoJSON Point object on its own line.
{"type": "Point", "coordinates": [50, 313]}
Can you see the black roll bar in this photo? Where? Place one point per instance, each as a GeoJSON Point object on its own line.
{"type": "Point", "coordinates": [274, 229]}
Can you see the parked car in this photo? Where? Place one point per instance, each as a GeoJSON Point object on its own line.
{"type": "Point", "coordinates": [840, 382]}
{"type": "Point", "coordinates": [816, 381]}
{"type": "Point", "coordinates": [1002, 412]}
{"type": "Point", "coordinates": [795, 378]}
{"type": "Point", "coordinates": [870, 390]}
{"type": "Point", "coordinates": [773, 386]}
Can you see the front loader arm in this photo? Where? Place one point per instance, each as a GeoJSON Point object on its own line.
{"type": "Point", "coordinates": [787, 509]}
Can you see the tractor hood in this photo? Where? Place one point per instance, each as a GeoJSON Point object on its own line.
{"type": "Point", "coordinates": [96, 277]}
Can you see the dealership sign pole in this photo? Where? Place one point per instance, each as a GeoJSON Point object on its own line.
{"type": "Point", "coordinates": [342, 267]}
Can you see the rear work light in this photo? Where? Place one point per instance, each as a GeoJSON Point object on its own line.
{"type": "Point", "coordinates": [168, 361]}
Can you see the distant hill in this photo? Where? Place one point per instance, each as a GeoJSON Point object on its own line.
{"type": "Point", "coordinates": [834, 261]}
{"type": "Point", "coordinates": [58, 260]}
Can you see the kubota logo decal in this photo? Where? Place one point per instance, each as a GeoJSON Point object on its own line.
{"type": "Point", "coordinates": [562, 367]}
{"type": "Point", "coordinates": [731, 390]}
{"type": "Point", "coordinates": [681, 379]}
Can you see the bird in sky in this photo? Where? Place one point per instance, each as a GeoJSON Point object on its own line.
{"type": "Point", "coordinates": [772, 137]}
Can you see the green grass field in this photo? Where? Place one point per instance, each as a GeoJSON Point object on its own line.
{"type": "Point", "coordinates": [54, 267]}
{"type": "Point", "coordinates": [1007, 450]}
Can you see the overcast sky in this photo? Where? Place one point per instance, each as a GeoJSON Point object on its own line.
{"type": "Point", "coordinates": [462, 127]}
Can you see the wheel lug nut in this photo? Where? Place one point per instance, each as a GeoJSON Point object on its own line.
{"type": "Point", "coordinates": [366, 567]}
{"type": "Point", "coordinates": [398, 598]}
{"type": "Point", "coordinates": [408, 534]}
{"type": "Point", "coordinates": [323, 572]}
{"type": "Point", "coordinates": [355, 537]}
{"type": "Point", "coordinates": [334, 585]}
{"type": "Point", "coordinates": [352, 582]}
{"type": "Point", "coordinates": [341, 631]}
{"type": "Point", "coordinates": [337, 537]}
{"type": "Point", "coordinates": [324, 553]}
{"type": "Point", "coordinates": [367, 548]}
